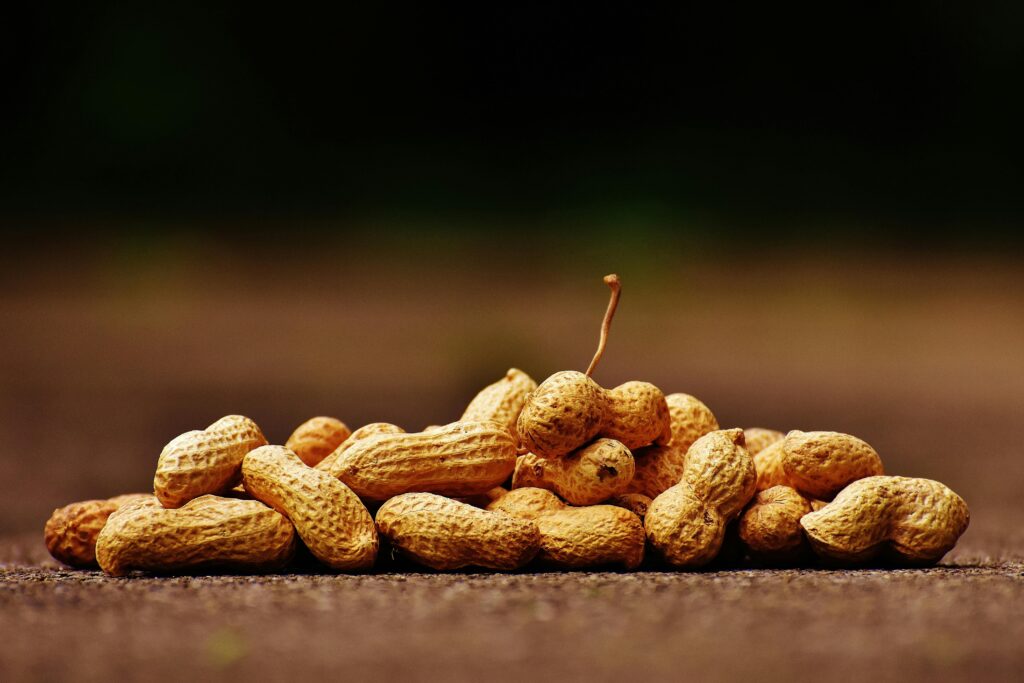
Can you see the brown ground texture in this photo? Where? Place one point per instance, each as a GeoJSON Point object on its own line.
{"type": "Point", "coordinates": [103, 361]}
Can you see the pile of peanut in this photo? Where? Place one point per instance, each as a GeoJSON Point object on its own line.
{"type": "Point", "coordinates": [566, 475]}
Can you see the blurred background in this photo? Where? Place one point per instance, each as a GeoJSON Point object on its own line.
{"type": "Point", "coordinates": [371, 213]}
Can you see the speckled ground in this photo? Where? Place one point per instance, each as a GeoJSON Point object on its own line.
{"type": "Point", "coordinates": [959, 621]}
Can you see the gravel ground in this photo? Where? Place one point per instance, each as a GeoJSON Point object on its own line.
{"type": "Point", "coordinates": [959, 621]}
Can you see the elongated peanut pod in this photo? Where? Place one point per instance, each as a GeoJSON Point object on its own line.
{"type": "Point", "coordinates": [364, 432]}
{"type": "Point", "coordinates": [445, 534]}
{"type": "Point", "coordinates": [206, 533]}
{"type": "Point", "coordinates": [587, 476]}
{"type": "Point", "coordinates": [502, 401]}
{"type": "Point", "coordinates": [331, 520]}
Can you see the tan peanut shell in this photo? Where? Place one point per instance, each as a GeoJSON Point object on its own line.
{"type": "Point", "coordinates": [570, 409]}
{"type": "Point", "coordinates": [577, 537]}
{"type": "Point", "coordinates": [587, 476]}
{"type": "Point", "coordinates": [770, 527]}
{"type": "Point", "coordinates": [205, 461]}
{"type": "Point", "coordinates": [686, 524]}
{"type": "Point", "coordinates": [206, 533]}
{"type": "Point", "coordinates": [759, 438]}
{"type": "Point", "coordinates": [316, 438]}
{"type": "Point", "coordinates": [445, 534]}
{"type": "Point", "coordinates": [364, 432]}
{"type": "Point", "coordinates": [768, 463]}
{"type": "Point", "coordinates": [462, 459]}
{"type": "Point", "coordinates": [656, 469]}
{"type": "Point", "coordinates": [820, 464]}
{"type": "Point", "coordinates": [637, 503]}
{"type": "Point", "coordinates": [331, 520]}
{"type": "Point", "coordinates": [907, 520]}
{"type": "Point", "coordinates": [502, 401]}
{"type": "Point", "coordinates": [70, 533]}
{"type": "Point", "coordinates": [690, 420]}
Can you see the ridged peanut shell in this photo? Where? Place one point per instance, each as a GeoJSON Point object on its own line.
{"type": "Point", "coordinates": [206, 533]}
{"type": "Point", "coordinates": [690, 419]}
{"type": "Point", "coordinates": [566, 411]}
{"type": "Point", "coordinates": [656, 469]}
{"type": "Point", "coordinates": [721, 472]}
{"type": "Point", "coordinates": [364, 432]}
{"type": "Point", "coordinates": [528, 502]}
{"type": "Point", "coordinates": [908, 520]}
{"type": "Point", "coordinates": [759, 438]}
{"type": "Point", "coordinates": [768, 464]}
{"type": "Point", "coordinates": [638, 415]}
{"type": "Point", "coordinates": [445, 534]}
{"type": "Point", "coordinates": [587, 476]}
{"type": "Point", "coordinates": [637, 503]}
{"type": "Point", "coordinates": [331, 520]}
{"type": "Point", "coordinates": [70, 532]}
{"type": "Point", "coordinates": [591, 536]}
{"type": "Point", "coordinates": [316, 438]}
{"type": "Point", "coordinates": [820, 464]}
{"type": "Point", "coordinates": [501, 401]}
{"type": "Point", "coordinates": [461, 459]}
{"type": "Point", "coordinates": [770, 526]}
{"type": "Point", "coordinates": [205, 461]}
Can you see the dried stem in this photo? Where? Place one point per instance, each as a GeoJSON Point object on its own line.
{"type": "Point", "coordinates": [616, 286]}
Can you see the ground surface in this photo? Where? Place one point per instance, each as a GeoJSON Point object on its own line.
{"type": "Point", "coordinates": [103, 361]}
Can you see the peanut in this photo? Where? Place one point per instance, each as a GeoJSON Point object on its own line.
{"type": "Point", "coordinates": [207, 532]}
{"type": "Point", "coordinates": [331, 520]}
{"type": "Point", "coordinates": [502, 401]}
{"type": "Point", "coordinates": [316, 438]}
{"type": "Point", "coordinates": [820, 464]}
{"type": "Point", "coordinates": [70, 533]}
{"type": "Point", "coordinates": [637, 503]}
{"type": "Point", "coordinates": [906, 520]}
{"type": "Point", "coordinates": [364, 432]}
{"type": "Point", "coordinates": [659, 467]}
{"type": "Point", "coordinates": [770, 526]}
{"type": "Point", "coordinates": [768, 463]}
{"type": "Point", "coordinates": [686, 523]}
{"type": "Point", "coordinates": [759, 438]}
{"type": "Point", "coordinates": [586, 476]}
{"type": "Point", "coordinates": [577, 537]}
{"type": "Point", "coordinates": [445, 534]}
{"type": "Point", "coordinates": [205, 461]}
{"type": "Point", "coordinates": [462, 459]}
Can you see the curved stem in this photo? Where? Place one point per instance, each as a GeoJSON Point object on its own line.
{"type": "Point", "coordinates": [616, 286]}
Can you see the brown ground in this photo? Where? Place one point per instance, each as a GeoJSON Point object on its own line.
{"type": "Point", "coordinates": [102, 361]}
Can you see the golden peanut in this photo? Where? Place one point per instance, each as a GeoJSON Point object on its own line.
{"type": "Point", "coordinates": [759, 438]}
{"type": "Point", "coordinates": [70, 533]}
{"type": "Point", "coordinates": [445, 534]}
{"type": "Point", "coordinates": [586, 476]}
{"type": "Point", "coordinates": [462, 459]}
{"type": "Point", "coordinates": [689, 418]}
{"type": "Point", "coordinates": [768, 463]}
{"type": "Point", "coordinates": [316, 438]}
{"type": "Point", "coordinates": [484, 499]}
{"type": "Point", "coordinates": [577, 537]}
{"type": "Point", "coordinates": [502, 401]}
{"type": "Point", "coordinates": [205, 461]}
{"type": "Point", "coordinates": [903, 519]}
{"type": "Point", "coordinates": [686, 524]}
{"type": "Point", "coordinates": [770, 526]}
{"type": "Point", "coordinates": [331, 520]}
{"type": "Point", "coordinates": [364, 432]}
{"type": "Point", "coordinates": [569, 410]}
{"type": "Point", "coordinates": [820, 464]}
{"type": "Point", "coordinates": [206, 533]}
{"type": "Point", "coordinates": [637, 503]}
{"type": "Point", "coordinates": [656, 469]}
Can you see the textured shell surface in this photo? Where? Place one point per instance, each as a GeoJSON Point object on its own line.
{"type": "Point", "coordinates": [331, 520]}
{"type": "Point", "coordinates": [460, 459]}
{"type": "Point", "coordinates": [366, 431]}
{"type": "Point", "coordinates": [656, 469]}
{"type": "Point", "coordinates": [638, 415]}
{"type": "Point", "coordinates": [721, 472]}
{"type": "Point", "coordinates": [768, 464]}
{"type": "Point", "coordinates": [70, 533]}
{"type": "Point", "coordinates": [587, 476]}
{"type": "Point", "coordinates": [501, 401]}
{"type": "Point", "coordinates": [528, 502]}
{"type": "Point", "coordinates": [683, 529]}
{"type": "Point", "coordinates": [206, 533]}
{"type": "Point", "coordinates": [445, 534]}
{"type": "Point", "coordinates": [770, 526]}
{"type": "Point", "coordinates": [690, 419]}
{"type": "Point", "coordinates": [759, 438]}
{"type": "Point", "coordinates": [316, 438]}
{"type": "Point", "coordinates": [566, 411]}
{"type": "Point", "coordinates": [592, 536]}
{"type": "Point", "coordinates": [909, 520]}
{"type": "Point", "coordinates": [205, 461]}
{"type": "Point", "coordinates": [637, 503]}
{"type": "Point", "coordinates": [820, 464]}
